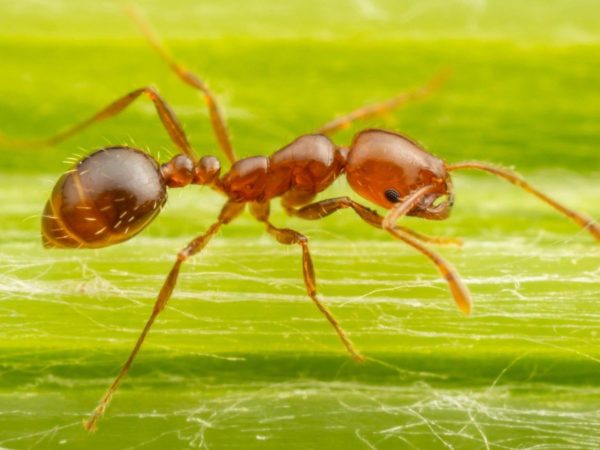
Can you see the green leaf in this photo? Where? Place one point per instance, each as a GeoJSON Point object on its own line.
{"type": "Point", "coordinates": [241, 358]}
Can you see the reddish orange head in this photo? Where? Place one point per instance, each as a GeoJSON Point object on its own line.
{"type": "Point", "coordinates": [385, 167]}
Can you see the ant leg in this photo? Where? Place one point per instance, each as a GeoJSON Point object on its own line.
{"type": "Point", "coordinates": [288, 237]}
{"type": "Point", "coordinates": [165, 113]}
{"type": "Point", "coordinates": [228, 213]}
{"type": "Point", "coordinates": [385, 106]}
{"type": "Point", "coordinates": [459, 291]}
{"type": "Point", "coordinates": [323, 208]}
{"type": "Point", "coordinates": [583, 221]}
{"type": "Point", "coordinates": [216, 117]}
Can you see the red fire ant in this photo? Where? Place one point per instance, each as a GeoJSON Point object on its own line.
{"type": "Point", "coordinates": [114, 193]}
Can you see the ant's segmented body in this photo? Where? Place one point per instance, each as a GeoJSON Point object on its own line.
{"type": "Point", "coordinates": [114, 193]}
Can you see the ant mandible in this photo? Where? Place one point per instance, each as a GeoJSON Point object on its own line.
{"type": "Point", "coordinates": [114, 193]}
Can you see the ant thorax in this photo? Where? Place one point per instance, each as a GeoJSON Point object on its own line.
{"type": "Point", "coordinates": [308, 165]}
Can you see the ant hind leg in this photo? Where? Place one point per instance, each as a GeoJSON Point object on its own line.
{"type": "Point", "coordinates": [216, 116]}
{"type": "Point", "coordinates": [165, 113]}
{"type": "Point", "coordinates": [228, 213]}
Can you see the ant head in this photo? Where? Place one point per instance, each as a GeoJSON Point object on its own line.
{"type": "Point", "coordinates": [385, 167]}
{"type": "Point", "coordinates": [108, 197]}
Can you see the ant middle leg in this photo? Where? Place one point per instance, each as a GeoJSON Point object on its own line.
{"type": "Point", "coordinates": [165, 113]}
{"type": "Point", "coordinates": [323, 208]}
{"type": "Point", "coordinates": [386, 106]}
{"type": "Point", "coordinates": [288, 237]}
{"type": "Point", "coordinates": [229, 212]}
{"type": "Point", "coordinates": [217, 119]}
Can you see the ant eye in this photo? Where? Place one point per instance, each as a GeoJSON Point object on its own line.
{"type": "Point", "coordinates": [110, 196]}
{"type": "Point", "coordinates": [392, 195]}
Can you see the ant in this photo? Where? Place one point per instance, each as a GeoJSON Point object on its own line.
{"type": "Point", "coordinates": [114, 193]}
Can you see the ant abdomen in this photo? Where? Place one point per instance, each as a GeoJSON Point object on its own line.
{"type": "Point", "coordinates": [108, 197]}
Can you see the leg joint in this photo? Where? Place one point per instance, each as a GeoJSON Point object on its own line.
{"type": "Point", "coordinates": [151, 92]}
{"type": "Point", "coordinates": [387, 226]}
{"type": "Point", "coordinates": [302, 240]}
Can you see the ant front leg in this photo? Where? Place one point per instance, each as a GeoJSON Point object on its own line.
{"type": "Point", "coordinates": [288, 237]}
{"type": "Point", "coordinates": [217, 119]}
{"type": "Point", "coordinates": [386, 106]}
{"type": "Point", "coordinates": [461, 294]}
{"type": "Point", "coordinates": [229, 212]}
{"type": "Point", "coordinates": [165, 113]}
{"type": "Point", "coordinates": [323, 208]}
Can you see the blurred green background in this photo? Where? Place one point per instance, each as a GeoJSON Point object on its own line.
{"type": "Point", "coordinates": [241, 358]}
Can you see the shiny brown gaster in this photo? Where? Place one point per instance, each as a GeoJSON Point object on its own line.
{"type": "Point", "coordinates": [115, 192]}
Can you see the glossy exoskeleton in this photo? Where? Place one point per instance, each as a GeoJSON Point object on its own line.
{"type": "Point", "coordinates": [112, 194]}
{"type": "Point", "coordinates": [107, 198]}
